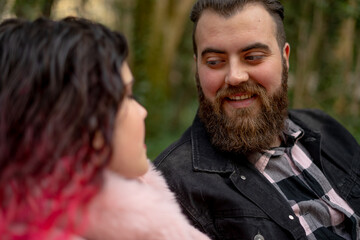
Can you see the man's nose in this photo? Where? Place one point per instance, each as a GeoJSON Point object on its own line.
{"type": "Point", "coordinates": [236, 74]}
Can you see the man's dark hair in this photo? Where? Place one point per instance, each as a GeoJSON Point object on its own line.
{"type": "Point", "coordinates": [227, 8]}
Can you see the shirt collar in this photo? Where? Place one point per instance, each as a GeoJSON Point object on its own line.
{"type": "Point", "coordinates": [291, 135]}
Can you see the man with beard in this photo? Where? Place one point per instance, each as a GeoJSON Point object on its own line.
{"type": "Point", "coordinates": [248, 168]}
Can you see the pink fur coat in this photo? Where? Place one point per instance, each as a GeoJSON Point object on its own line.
{"type": "Point", "coordinates": [138, 210]}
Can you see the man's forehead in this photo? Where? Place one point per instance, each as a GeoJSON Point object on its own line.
{"type": "Point", "coordinates": [254, 15]}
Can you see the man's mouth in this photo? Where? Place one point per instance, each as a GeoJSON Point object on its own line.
{"type": "Point", "coordinates": [242, 100]}
{"type": "Point", "coordinates": [241, 97]}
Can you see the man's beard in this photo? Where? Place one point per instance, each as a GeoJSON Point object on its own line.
{"type": "Point", "coordinates": [246, 130]}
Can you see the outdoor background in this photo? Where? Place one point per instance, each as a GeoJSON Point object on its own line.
{"type": "Point", "coordinates": [324, 64]}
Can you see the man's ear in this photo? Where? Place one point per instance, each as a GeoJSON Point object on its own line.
{"type": "Point", "coordinates": [286, 54]}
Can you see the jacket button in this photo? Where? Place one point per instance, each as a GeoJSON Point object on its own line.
{"type": "Point", "coordinates": [291, 217]}
{"type": "Point", "coordinates": [243, 177]}
{"type": "Point", "coordinates": [259, 237]}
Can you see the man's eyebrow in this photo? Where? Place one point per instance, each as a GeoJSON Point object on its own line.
{"type": "Point", "coordinates": [211, 50]}
{"type": "Point", "coordinates": [256, 46]}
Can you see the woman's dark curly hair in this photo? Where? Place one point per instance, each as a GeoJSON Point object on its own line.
{"type": "Point", "coordinates": [60, 86]}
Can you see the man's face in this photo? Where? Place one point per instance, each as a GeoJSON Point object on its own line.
{"type": "Point", "coordinates": [242, 75]}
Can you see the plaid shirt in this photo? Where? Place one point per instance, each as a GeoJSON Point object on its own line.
{"type": "Point", "coordinates": [322, 212]}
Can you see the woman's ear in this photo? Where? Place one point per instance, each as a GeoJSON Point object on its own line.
{"type": "Point", "coordinates": [98, 141]}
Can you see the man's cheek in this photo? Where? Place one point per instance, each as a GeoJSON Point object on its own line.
{"type": "Point", "coordinates": [211, 86]}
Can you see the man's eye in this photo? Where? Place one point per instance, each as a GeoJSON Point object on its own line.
{"type": "Point", "coordinates": [254, 57]}
{"type": "Point", "coordinates": [213, 63]}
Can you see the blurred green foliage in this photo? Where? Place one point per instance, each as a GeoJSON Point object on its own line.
{"type": "Point", "coordinates": [324, 61]}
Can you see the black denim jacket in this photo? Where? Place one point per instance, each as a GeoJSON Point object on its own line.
{"type": "Point", "coordinates": [224, 196]}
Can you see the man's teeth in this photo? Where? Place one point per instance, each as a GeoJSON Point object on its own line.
{"type": "Point", "coordinates": [242, 97]}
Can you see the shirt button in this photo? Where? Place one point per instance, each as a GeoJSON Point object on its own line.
{"type": "Point", "coordinates": [291, 217]}
{"type": "Point", "coordinates": [243, 177]}
{"type": "Point", "coordinates": [327, 197]}
{"type": "Point", "coordinates": [259, 237]}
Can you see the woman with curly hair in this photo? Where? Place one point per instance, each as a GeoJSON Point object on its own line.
{"type": "Point", "coordinates": [72, 155]}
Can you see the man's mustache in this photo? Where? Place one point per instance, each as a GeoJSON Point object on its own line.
{"type": "Point", "coordinates": [246, 87]}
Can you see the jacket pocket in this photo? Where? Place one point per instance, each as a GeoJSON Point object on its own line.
{"type": "Point", "coordinates": [247, 224]}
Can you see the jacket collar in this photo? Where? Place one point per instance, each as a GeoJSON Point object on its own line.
{"type": "Point", "coordinates": [205, 157]}
{"type": "Point", "coordinates": [208, 159]}
{"type": "Point", "coordinates": [311, 140]}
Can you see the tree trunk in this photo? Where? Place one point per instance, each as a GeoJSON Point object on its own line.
{"type": "Point", "coordinates": [32, 9]}
{"type": "Point", "coordinates": [46, 6]}
{"type": "Point", "coordinates": [167, 27]}
{"type": "Point", "coordinates": [2, 7]}
{"type": "Point", "coordinates": [355, 103]}
{"type": "Point", "coordinates": [344, 55]}
{"type": "Point", "coordinates": [308, 44]}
